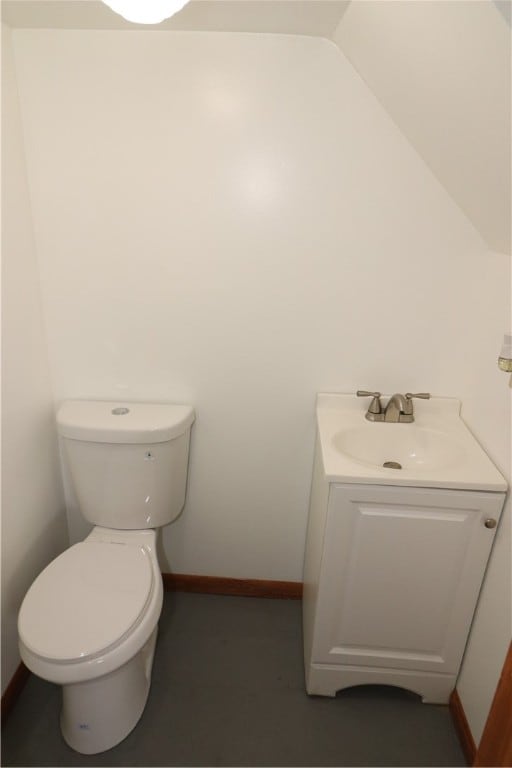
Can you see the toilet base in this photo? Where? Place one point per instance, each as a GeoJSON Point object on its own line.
{"type": "Point", "coordinates": [98, 714]}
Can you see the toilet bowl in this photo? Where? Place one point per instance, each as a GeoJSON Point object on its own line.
{"type": "Point", "coordinates": [89, 621]}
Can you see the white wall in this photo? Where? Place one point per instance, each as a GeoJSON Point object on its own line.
{"type": "Point", "coordinates": [442, 71]}
{"type": "Point", "coordinates": [233, 221]}
{"type": "Point", "coordinates": [33, 517]}
{"type": "Point", "coordinates": [490, 635]}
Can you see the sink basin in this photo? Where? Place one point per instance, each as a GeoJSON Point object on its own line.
{"type": "Point", "coordinates": [436, 450]}
{"type": "Point", "coordinates": [398, 446]}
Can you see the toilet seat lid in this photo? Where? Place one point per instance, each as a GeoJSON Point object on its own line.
{"type": "Point", "coordinates": [86, 600]}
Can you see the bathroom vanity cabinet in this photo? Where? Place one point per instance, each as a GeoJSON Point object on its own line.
{"type": "Point", "coordinates": [391, 580]}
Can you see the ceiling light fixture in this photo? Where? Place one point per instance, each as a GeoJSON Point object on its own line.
{"type": "Point", "coordinates": [146, 11]}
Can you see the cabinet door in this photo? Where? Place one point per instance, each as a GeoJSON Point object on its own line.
{"type": "Point", "coordinates": [400, 575]}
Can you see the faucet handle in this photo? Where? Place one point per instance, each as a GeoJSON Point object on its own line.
{"type": "Point", "coordinates": [422, 395]}
{"type": "Point", "coordinates": [375, 406]}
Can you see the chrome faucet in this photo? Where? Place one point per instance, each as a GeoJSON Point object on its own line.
{"type": "Point", "coordinates": [399, 408]}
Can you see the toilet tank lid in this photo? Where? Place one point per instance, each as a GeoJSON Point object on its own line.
{"type": "Point", "coordinates": [103, 421]}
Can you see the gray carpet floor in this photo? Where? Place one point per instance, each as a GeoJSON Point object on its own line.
{"type": "Point", "coordinates": [228, 690]}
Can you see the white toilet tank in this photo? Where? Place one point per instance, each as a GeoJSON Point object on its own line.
{"type": "Point", "coordinates": [127, 461]}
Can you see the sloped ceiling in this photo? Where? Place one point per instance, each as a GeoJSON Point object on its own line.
{"type": "Point", "coordinates": [442, 72]}
{"type": "Point", "coordinates": [440, 68]}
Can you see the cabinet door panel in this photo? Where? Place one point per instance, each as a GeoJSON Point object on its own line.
{"type": "Point", "coordinates": [400, 575]}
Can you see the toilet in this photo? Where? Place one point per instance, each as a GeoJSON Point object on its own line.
{"type": "Point", "coordinates": [89, 621]}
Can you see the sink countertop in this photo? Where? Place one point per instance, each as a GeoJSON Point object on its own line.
{"type": "Point", "coordinates": [468, 468]}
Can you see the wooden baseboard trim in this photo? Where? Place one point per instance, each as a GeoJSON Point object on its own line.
{"type": "Point", "coordinates": [462, 727]}
{"type": "Point", "coordinates": [218, 585]}
{"type": "Point", "coordinates": [13, 690]}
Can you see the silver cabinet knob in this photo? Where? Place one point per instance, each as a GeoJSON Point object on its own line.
{"type": "Point", "coordinates": [490, 523]}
